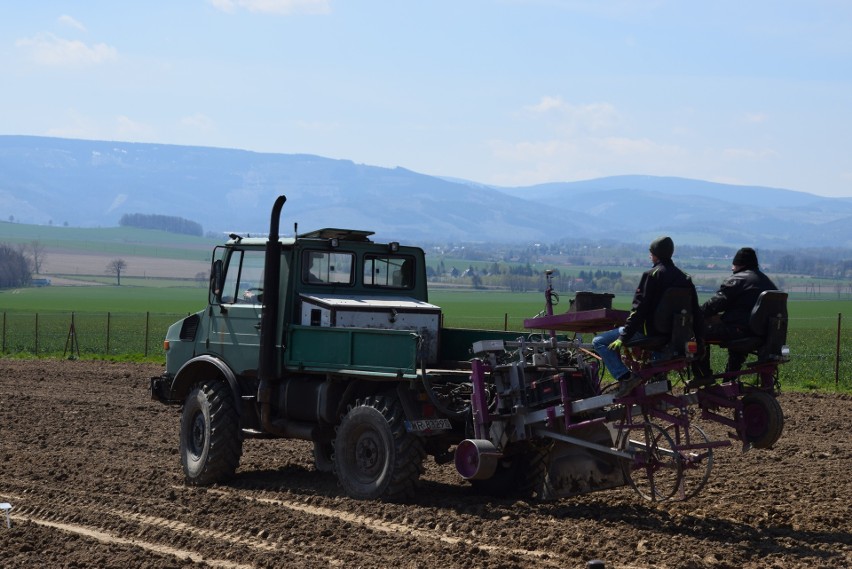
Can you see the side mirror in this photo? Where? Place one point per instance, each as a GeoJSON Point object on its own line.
{"type": "Point", "coordinates": [217, 275]}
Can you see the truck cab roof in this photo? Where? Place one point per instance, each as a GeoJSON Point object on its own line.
{"type": "Point", "coordinates": [356, 235]}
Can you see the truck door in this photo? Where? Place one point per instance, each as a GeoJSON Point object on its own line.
{"type": "Point", "coordinates": [235, 311]}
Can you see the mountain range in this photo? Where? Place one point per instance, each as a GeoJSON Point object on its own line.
{"type": "Point", "coordinates": [85, 183]}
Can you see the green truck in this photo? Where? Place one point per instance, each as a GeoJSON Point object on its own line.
{"type": "Point", "coordinates": [328, 337]}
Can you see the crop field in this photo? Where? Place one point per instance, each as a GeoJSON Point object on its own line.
{"type": "Point", "coordinates": [129, 322]}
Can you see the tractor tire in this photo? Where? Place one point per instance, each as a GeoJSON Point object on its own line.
{"type": "Point", "coordinates": [374, 456]}
{"type": "Point", "coordinates": [211, 442]}
{"type": "Point", "coordinates": [764, 419]}
{"type": "Point", "coordinates": [520, 475]}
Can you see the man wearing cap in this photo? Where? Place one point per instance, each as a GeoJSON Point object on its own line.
{"type": "Point", "coordinates": [727, 313]}
{"type": "Point", "coordinates": [654, 282]}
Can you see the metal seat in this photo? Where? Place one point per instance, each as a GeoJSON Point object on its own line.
{"type": "Point", "coordinates": [768, 327]}
{"type": "Point", "coordinates": [673, 320]}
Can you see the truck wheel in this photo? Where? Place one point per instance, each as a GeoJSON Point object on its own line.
{"type": "Point", "coordinates": [374, 456]}
{"type": "Point", "coordinates": [210, 439]}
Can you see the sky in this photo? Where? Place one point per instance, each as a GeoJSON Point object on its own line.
{"type": "Point", "coordinates": [502, 92]}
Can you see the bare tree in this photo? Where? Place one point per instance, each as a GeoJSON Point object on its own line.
{"type": "Point", "coordinates": [38, 255]}
{"type": "Point", "coordinates": [115, 267]}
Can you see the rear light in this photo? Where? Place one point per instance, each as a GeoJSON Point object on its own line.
{"type": "Point", "coordinates": [692, 347]}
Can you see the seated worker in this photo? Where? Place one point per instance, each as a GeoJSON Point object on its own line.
{"type": "Point", "coordinates": [726, 315]}
{"type": "Point", "coordinates": [654, 282]}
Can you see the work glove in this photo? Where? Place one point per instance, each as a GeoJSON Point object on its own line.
{"type": "Point", "coordinates": [616, 345]}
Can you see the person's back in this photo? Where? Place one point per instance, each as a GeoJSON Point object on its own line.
{"type": "Point", "coordinates": [737, 296]}
{"type": "Point", "coordinates": [653, 284]}
{"type": "Point", "coordinates": [733, 303]}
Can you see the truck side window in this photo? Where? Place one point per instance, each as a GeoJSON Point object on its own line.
{"type": "Point", "coordinates": [323, 267]}
{"type": "Point", "coordinates": [244, 277]}
{"type": "Point", "coordinates": [389, 271]}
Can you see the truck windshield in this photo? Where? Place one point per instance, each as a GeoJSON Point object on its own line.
{"type": "Point", "coordinates": [244, 277]}
{"type": "Point", "coordinates": [323, 267]}
{"type": "Point", "coordinates": [389, 271]}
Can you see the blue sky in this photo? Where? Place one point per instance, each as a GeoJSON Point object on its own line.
{"type": "Point", "coordinates": [505, 92]}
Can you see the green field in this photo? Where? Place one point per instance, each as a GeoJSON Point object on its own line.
{"type": "Point", "coordinates": [107, 298]}
{"type": "Point", "coordinates": [129, 322]}
{"type": "Point", "coordinates": [109, 241]}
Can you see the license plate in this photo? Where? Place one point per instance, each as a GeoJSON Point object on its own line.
{"type": "Point", "coordinates": [421, 425]}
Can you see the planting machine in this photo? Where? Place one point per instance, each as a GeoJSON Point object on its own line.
{"type": "Point", "coordinates": [330, 337]}
{"type": "Point", "coordinates": [547, 398]}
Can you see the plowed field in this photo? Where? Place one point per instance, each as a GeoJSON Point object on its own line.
{"type": "Point", "coordinates": [90, 465]}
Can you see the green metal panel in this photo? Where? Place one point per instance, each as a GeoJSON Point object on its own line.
{"type": "Point", "coordinates": [391, 353]}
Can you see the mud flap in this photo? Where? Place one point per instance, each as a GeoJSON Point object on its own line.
{"type": "Point", "coordinates": [574, 469]}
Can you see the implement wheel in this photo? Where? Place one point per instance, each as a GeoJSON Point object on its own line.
{"type": "Point", "coordinates": [520, 475]}
{"type": "Point", "coordinates": [697, 462]}
{"type": "Point", "coordinates": [656, 470]}
{"type": "Point", "coordinates": [374, 456]}
{"type": "Point", "coordinates": [210, 439]}
{"type": "Point", "coordinates": [764, 419]}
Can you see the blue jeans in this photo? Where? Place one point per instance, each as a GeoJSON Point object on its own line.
{"type": "Point", "coordinates": [611, 359]}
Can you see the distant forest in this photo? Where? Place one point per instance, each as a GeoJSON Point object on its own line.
{"type": "Point", "coordinates": [168, 223]}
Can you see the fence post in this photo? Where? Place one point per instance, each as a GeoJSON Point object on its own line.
{"type": "Point", "coordinates": [107, 346]}
{"type": "Point", "coordinates": [147, 323]}
{"type": "Point", "coordinates": [4, 332]}
{"type": "Point", "coordinates": [837, 358]}
{"type": "Point", "coordinates": [505, 321]}
{"type": "Point", "coordinates": [36, 335]}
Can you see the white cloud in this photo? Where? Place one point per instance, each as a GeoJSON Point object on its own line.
{"type": "Point", "coordinates": [591, 117]}
{"type": "Point", "coordinates": [48, 49]}
{"type": "Point", "coordinates": [199, 122]}
{"type": "Point", "coordinates": [634, 147]}
{"type": "Point", "coordinates": [282, 7]}
{"type": "Point", "coordinates": [749, 153]}
{"type": "Point", "coordinates": [583, 157]}
{"type": "Point", "coordinates": [547, 104]}
{"type": "Point", "coordinates": [71, 22]}
{"type": "Point", "coordinates": [121, 127]}
{"type": "Point", "coordinates": [756, 117]}
{"type": "Point", "coordinates": [128, 129]}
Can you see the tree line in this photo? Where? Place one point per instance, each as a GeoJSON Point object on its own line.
{"type": "Point", "coordinates": [169, 223]}
{"type": "Point", "coordinates": [823, 262]}
{"type": "Point", "coordinates": [15, 267]}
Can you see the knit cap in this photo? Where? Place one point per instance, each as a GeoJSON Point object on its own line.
{"type": "Point", "coordinates": [662, 248]}
{"type": "Point", "coordinates": [746, 257]}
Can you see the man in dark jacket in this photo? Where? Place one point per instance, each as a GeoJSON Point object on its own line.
{"type": "Point", "coordinates": [654, 282]}
{"type": "Point", "coordinates": [727, 313]}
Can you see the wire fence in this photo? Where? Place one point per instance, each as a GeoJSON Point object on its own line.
{"type": "Point", "coordinates": [87, 334]}
{"type": "Point", "coordinates": [820, 348]}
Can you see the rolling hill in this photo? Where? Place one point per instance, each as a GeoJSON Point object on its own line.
{"type": "Point", "coordinates": [83, 183]}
